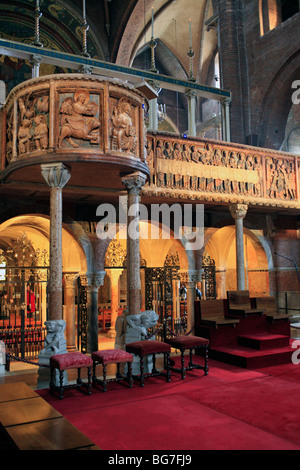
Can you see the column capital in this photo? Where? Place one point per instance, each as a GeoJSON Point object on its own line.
{"type": "Point", "coordinates": [134, 182]}
{"type": "Point", "coordinates": [190, 94]}
{"type": "Point", "coordinates": [95, 280]}
{"type": "Point", "coordinates": [238, 211]}
{"type": "Point", "coordinates": [56, 175]}
{"type": "Point", "coordinates": [226, 101]}
{"type": "Point", "coordinates": [70, 279]}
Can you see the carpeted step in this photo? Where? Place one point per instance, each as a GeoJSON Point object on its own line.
{"type": "Point", "coordinates": [263, 341]}
{"type": "Point", "coordinates": [250, 358]}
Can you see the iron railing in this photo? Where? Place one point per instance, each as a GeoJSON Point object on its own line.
{"type": "Point", "coordinates": [23, 343]}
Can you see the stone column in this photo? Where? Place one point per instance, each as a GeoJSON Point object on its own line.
{"type": "Point", "coordinates": [114, 275]}
{"type": "Point", "coordinates": [238, 212]}
{"type": "Point", "coordinates": [153, 118]}
{"type": "Point", "coordinates": [134, 184]}
{"type": "Point", "coordinates": [226, 120]}
{"type": "Point", "coordinates": [35, 62]}
{"type": "Point", "coordinates": [191, 98]}
{"type": "Point", "coordinates": [56, 176]}
{"type": "Point", "coordinates": [94, 281]}
{"type": "Point", "coordinates": [69, 296]}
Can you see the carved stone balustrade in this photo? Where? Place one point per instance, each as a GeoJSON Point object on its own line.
{"type": "Point", "coordinates": [208, 170]}
{"type": "Point", "coordinates": [74, 119]}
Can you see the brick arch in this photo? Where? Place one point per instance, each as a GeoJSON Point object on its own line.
{"type": "Point", "coordinates": [276, 104]}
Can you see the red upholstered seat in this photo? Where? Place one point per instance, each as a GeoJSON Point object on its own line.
{"type": "Point", "coordinates": [143, 348]}
{"type": "Point", "coordinates": [112, 356]}
{"type": "Point", "coordinates": [187, 342]}
{"type": "Point", "coordinates": [70, 361]}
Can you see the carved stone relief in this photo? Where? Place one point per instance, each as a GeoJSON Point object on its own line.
{"type": "Point", "coordinates": [280, 178]}
{"type": "Point", "coordinates": [79, 119]}
{"type": "Point", "coordinates": [213, 168]}
{"type": "Point", "coordinates": [123, 135]}
{"type": "Point", "coordinates": [33, 132]}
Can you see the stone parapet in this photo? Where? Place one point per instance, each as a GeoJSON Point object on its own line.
{"type": "Point", "coordinates": [74, 118]}
{"type": "Point", "coordinates": [210, 170]}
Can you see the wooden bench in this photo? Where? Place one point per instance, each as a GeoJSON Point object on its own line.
{"type": "Point", "coordinates": [239, 304]}
{"type": "Point", "coordinates": [269, 305]}
{"type": "Point", "coordinates": [104, 318]}
{"type": "Point", "coordinates": [213, 313]}
{"type": "Point", "coordinates": [28, 422]}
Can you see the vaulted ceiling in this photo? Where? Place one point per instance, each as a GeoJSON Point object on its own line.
{"type": "Point", "coordinates": [119, 31]}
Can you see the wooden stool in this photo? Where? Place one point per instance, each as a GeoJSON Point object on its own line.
{"type": "Point", "coordinates": [146, 348]}
{"type": "Point", "coordinates": [184, 343]}
{"type": "Point", "coordinates": [68, 361]}
{"type": "Point", "coordinates": [112, 356]}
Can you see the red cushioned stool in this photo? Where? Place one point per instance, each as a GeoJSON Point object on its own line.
{"type": "Point", "coordinates": [184, 343]}
{"type": "Point", "coordinates": [112, 356]}
{"type": "Point", "coordinates": [68, 361]}
{"type": "Point", "coordinates": [146, 348]}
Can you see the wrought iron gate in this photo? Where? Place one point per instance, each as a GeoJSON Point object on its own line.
{"type": "Point", "coordinates": [24, 309]}
{"type": "Point", "coordinates": [82, 316]}
{"type": "Point", "coordinates": [23, 296]}
{"type": "Point", "coordinates": [208, 277]}
{"type": "Point", "coordinates": [159, 292]}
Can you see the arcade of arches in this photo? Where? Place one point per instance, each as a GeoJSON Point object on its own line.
{"type": "Point", "coordinates": [72, 140]}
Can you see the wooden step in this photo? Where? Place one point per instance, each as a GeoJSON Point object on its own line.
{"type": "Point", "coordinates": [250, 358]}
{"type": "Point", "coordinates": [219, 321]}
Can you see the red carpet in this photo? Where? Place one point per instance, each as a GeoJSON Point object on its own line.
{"type": "Point", "coordinates": [230, 409]}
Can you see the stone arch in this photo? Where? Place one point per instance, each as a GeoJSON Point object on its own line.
{"type": "Point", "coordinates": [220, 245]}
{"type": "Point", "coordinates": [277, 103]}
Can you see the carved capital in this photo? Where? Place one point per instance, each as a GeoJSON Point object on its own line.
{"type": "Point", "coordinates": [134, 182]}
{"type": "Point", "coordinates": [95, 280]}
{"type": "Point", "coordinates": [238, 211]}
{"type": "Point", "coordinates": [70, 279]}
{"type": "Point", "coordinates": [56, 175]}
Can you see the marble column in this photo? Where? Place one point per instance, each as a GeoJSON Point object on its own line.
{"type": "Point", "coordinates": [35, 62]}
{"type": "Point", "coordinates": [69, 297]}
{"type": "Point", "coordinates": [114, 275]}
{"type": "Point", "coordinates": [56, 176]}
{"type": "Point", "coordinates": [134, 183]}
{"type": "Point", "coordinates": [238, 212]}
{"type": "Point", "coordinates": [226, 120]}
{"type": "Point", "coordinates": [94, 281]}
{"type": "Point", "coordinates": [191, 98]}
{"type": "Point", "coordinates": [153, 117]}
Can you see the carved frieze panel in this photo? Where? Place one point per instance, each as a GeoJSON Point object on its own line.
{"type": "Point", "coordinates": [219, 170]}
{"type": "Point", "coordinates": [28, 125]}
{"type": "Point", "coordinates": [123, 126]}
{"type": "Point", "coordinates": [79, 119]}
